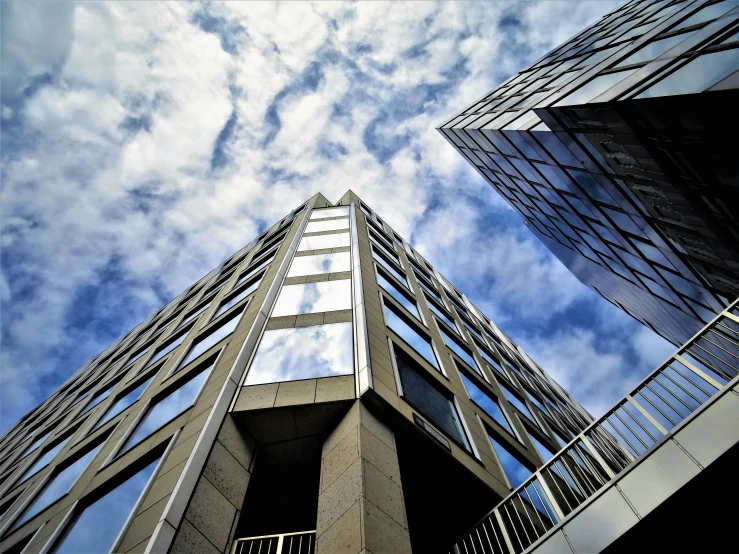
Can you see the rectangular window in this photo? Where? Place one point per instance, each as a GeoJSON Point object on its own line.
{"type": "Point", "coordinates": [430, 401]}
{"type": "Point", "coordinates": [471, 329]}
{"type": "Point", "coordinates": [488, 404]}
{"type": "Point", "coordinates": [303, 353]}
{"type": "Point", "coordinates": [390, 267]}
{"type": "Point", "coordinates": [213, 336]}
{"type": "Point", "coordinates": [309, 298]}
{"type": "Point", "coordinates": [391, 255]}
{"type": "Point", "coordinates": [459, 350]}
{"type": "Point", "coordinates": [428, 287]}
{"type": "Point", "coordinates": [320, 264]}
{"type": "Point", "coordinates": [323, 213]}
{"type": "Point", "coordinates": [99, 397]}
{"type": "Point", "coordinates": [514, 470]}
{"type": "Point", "coordinates": [441, 314]}
{"type": "Point", "coordinates": [544, 451]}
{"type": "Point", "coordinates": [89, 532]}
{"type": "Point", "coordinates": [489, 358]}
{"type": "Point", "coordinates": [320, 242]}
{"type": "Point", "coordinates": [194, 314]}
{"type": "Point", "coordinates": [407, 331]}
{"type": "Point", "coordinates": [516, 401]}
{"type": "Point", "coordinates": [403, 299]}
{"type": "Point", "coordinates": [382, 242]}
{"type": "Point", "coordinates": [167, 348]}
{"type": "Point", "coordinates": [123, 403]}
{"type": "Point", "coordinates": [327, 225]}
{"type": "Point", "coordinates": [234, 299]}
{"type": "Point", "coordinates": [251, 272]}
{"type": "Point", "coordinates": [44, 459]}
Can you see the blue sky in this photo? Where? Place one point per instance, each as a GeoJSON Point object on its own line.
{"type": "Point", "coordinates": [142, 143]}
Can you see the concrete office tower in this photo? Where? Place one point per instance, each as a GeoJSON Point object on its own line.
{"type": "Point", "coordinates": [617, 148]}
{"type": "Point", "coordinates": [325, 390]}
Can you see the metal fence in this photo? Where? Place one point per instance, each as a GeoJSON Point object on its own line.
{"type": "Point", "coordinates": [286, 543]}
{"type": "Point", "coordinates": [699, 369]}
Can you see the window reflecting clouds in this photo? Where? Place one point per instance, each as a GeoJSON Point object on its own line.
{"type": "Point", "coordinates": [327, 225]}
{"type": "Point", "coordinates": [43, 460]}
{"type": "Point", "coordinates": [90, 532]}
{"type": "Point", "coordinates": [323, 263]}
{"type": "Point", "coordinates": [489, 405]}
{"type": "Point", "coordinates": [341, 211]}
{"type": "Point", "coordinates": [319, 242]}
{"type": "Point", "coordinates": [420, 343]}
{"type": "Point", "coordinates": [308, 298]}
{"type": "Point", "coordinates": [123, 403]}
{"type": "Point", "coordinates": [303, 353]}
{"type": "Point", "coordinates": [398, 295]}
{"type": "Point", "coordinates": [516, 472]}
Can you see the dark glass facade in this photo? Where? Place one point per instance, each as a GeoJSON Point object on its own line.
{"type": "Point", "coordinates": [616, 149]}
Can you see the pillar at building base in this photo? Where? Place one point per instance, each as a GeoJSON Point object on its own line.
{"type": "Point", "coordinates": [360, 504]}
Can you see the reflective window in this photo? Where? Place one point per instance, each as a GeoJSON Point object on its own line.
{"type": "Point", "coordinates": [169, 407]}
{"type": "Point", "coordinates": [97, 399]}
{"type": "Point", "coordinates": [330, 212]}
{"type": "Point", "coordinates": [89, 532]}
{"type": "Point", "coordinates": [319, 242]}
{"type": "Point", "coordinates": [489, 405]}
{"type": "Point", "coordinates": [408, 303]}
{"type": "Point", "coordinates": [44, 459]}
{"type": "Point", "coordinates": [513, 399]}
{"type": "Point", "coordinates": [309, 298]}
{"type": "Point", "coordinates": [167, 348]}
{"type": "Point", "coordinates": [252, 272]}
{"type": "Point", "coordinates": [471, 329]}
{"type": "Point", "coordinates": [442, 314]}
{"type": "Point", "coordinates": [594, 88]}
{"type": "Point", "coordinates": [490, 359]}
{"type": "Point", "coordinates": [544, 451]}
{"type": "Point", "coordinates": [459, 350]}
{"type": "Point", "coordinates": [404, 330]}
{"type": "Point", "coordinates": [516, 472]}
{"type": "Point", "coordinates": [194, 314]}
{"type": "Point", "coordinates": [57, 487]}
{"type": "Point", "coordinates": [123, 403]}
{"type": "Point", "coordinates": [697, 75]}
{"type": "Point", "coordinates": [707, 13]}
{"type": "Point", "coordinates": [654, 49]}
{"type": "Point", "coordinates": [383, 261]}
{"type": "Point", "coordinates": [384, 249]}
{"type": "Point", "coordinates": [303, 353]}
{"type": "Point", "coordinates": [231, 301]}
{"type": "Point", "coordinates": [425, 285]}
{"type": "Point", "coordinates": [327, 225]}
{"type": "Point", "coordinates": [322, 263]}
{"type": "Point", "coordinates": [431, 402]}
{"type": "Point", "coordinates": [213, 336]}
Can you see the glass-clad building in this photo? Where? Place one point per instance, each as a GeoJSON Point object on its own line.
{"type": "Point", "coordinates": [618, 149]}
{"type": "Point", "coordinates": [324, 389]}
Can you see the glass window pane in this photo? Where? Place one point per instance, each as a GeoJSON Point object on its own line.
{"type": "Point", "coordinates": [303, 353]}
{"type": "Point", "coordinates": [322, 263]}
{"type": "Point", "coordinates": [429, 400]}
{"type": "Point", "coordinates": [235, 299]}
{"type": "Point", "coordinates": [167, 348]}
{"type": "Point", "coordinates": [123, 403]}
{"type": "Point", "coordinates": [654, 49]}
{"type": "Point", "coordinates": [43, 460]}
{"type": "Point", "coordinates": [594, 88]}
{"type": "Point", "coordinates": [99, 398]}
{"type": "Point", "coordinates": [168, 408]}
{"type": "Point", "coordinates": [707, 13]}
{"type": "Point", "coordinates": [57, 487]}
{"type": "Point", "coordinates": [420, 343]}
{"type": "Point", "coordinates": [459, 350]}
{"type": "Point", "coordinates": [516, 472]}
{"type": "Point", "coordinates": [327, 225]}
{"type": "Point", "coordinates": [545, 452]}
{"type": "Point", "coordinates": [340, 211]}
{"type": "Point", "coordinates": [442, 315]}
{"type": "Point", "coordinates": [252, 272]}
{"type": "Point", "coordinates": [91, 533]}
{"type": "Point", "coordinates": [488, 404]}
{"type": "Point", "coordinates": [318, 242]}
{"type": "Point", "coordinates": [398, 295]}
{"type": "Point", "coordinates": [428, 288]}
{"type": "Point", "coordinates": [389, 253]}
{"type": "Point", "coordinates": [309, 298]}
{"type": "Point", "coordinates": [389, 267]}
{"type": "Point", "coordinates": [213, 337]}
{"type": "Point", "coordinates": [513, 399]}
{"type": "Point", "coordinates": [696, 76]}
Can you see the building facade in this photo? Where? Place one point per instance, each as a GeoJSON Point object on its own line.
{"type": "Point", "coordinates": [617, 150]}
{"type": "Point", "coordinates": [323, 390]}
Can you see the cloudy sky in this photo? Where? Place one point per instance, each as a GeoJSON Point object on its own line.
{"type": "Point", "coordinates": [142, 143]}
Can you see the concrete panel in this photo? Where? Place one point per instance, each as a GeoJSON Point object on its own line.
{"type": "Point", "coordinates": [600, 523]}
{"type": "Point", "coordinates": [331, 389]}
{"type": "Point", "coordinates": [384, 493]}
{"type": "Point", "coordinates": [382, 534]}
{"type": "Point", "coordinates": [377, 428]}
{"type": "Point", "coordinates": [211, 513]}
{"type": "Point", "coordinates": [713, 432]}
{"type": "Point", "coordinates": [240, 446]}
{"type": "Point", "coordinates": [227, 474]}
{"type": "Point", "coordinates": [379, 455]}
{"type": "Point", "coordinates": [344, 536]}
{"type": "Point", "coordinates": [256, 397]}
{"type": "Point", "coordinates": [294, 393]}
{"type": "Point", "coordinates": [338, 497]}
{"type": "Point", "coordinates": [340, 458]}
{"type": "Point", "coordinates": [657, 477]}
{"type": "Point", "coordinates": [350, 421]}
{"type": "Point", "coordinates": [556, 544]}
{"type": "Point", "coordinates": [190, 541]}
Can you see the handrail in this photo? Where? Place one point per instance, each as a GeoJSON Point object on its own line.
{"type": "Point", "coordinates": [614, 442]}
{"type": "Point", "coordinates": [302, 542]}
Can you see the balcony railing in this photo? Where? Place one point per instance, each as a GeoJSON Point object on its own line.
{"type": "Point", "coordinates": [286, 543]}
{"type": "Point", "coordinates": [612, 443]}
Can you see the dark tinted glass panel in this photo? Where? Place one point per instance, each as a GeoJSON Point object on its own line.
{"type": "Point", "coordinates": [488, 404]}
{"type": "Point", "coordinates": [516, 472]}
{"type": "Point", "coordinates": [419, 342]}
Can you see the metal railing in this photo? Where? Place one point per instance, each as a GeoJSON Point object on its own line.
{"type": "Point", "coordinates": [613, 442]}
{"type": "Point", "coordinates": [286, 543]}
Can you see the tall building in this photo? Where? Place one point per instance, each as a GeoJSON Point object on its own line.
{"type": "Point", "coordinates": [618, 150]}
{"type": "Point", "coordinates": [323, 390]}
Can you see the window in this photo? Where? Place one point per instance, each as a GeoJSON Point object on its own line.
{"type": "Point", "coordinates": [654, 49]}
{"type": "Point", "coordinates": [303, 353]}
{"type": "Point", "coordinates": [211, 337]}
{"type": "Point", "coordinates": [494, 363]}
{"type": "Point", "coordinates": [593, 89]}
{"type": "Point", "coordinates": [327, 225]}
{"type": "Point", "coordinates": [428, 400]}
{"type": "Point", "coordinates": [234, 299]}
{"type": "Point", "coordinates": [322, 263]}
{"type": "Point", "coordinates": [44, 459]}
{"type": "Point", "coordinates": [324, 213]}
{"type": "Point", "coordinates": [389, 266]}
{"type": "Point", "coordinates": [308, 298]}
{"type": "Point", "coordinates": [442, 314]}
{"type": "Point", "coordinates": [459, 350]}
{"type": "Point", "coordinates": [320, 242]}
{"type": "Point", "coordinates": [123, 403]}
{"type": "Point", "coordinates": [88, 532]}
{"type": "Point", "coordinates": [514, 470]}
{"type": "Point", "coordinates": [471, 328]}
{"type": "Point", "coordinates": [99, 397]}
{"type": "Point", "coordinates": [544, 451]}
{"type": "Point", "coordinates": [489, 405]}
{"type": "Point", "coordinates": [57, 487]}
{"type": "Point", "coordinates": [402, 298]}
{"type": "Point", "coordinates": [405, 330]}
{"type": "Point", "coordinates": [167, 348]}
{"type": "Point", "coordinates": [389, 253]}
{"type": "Point", "coordinates": [428, 287]}
{"type": "Point", "coordinates": [251, 272]}
{"type": "Point", "coordinates": [517, 402]}
{"type": "Point", "coordinates": [169, 407]}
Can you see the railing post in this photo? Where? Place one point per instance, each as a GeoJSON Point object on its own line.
{"type": "Point", "coordinates": [504, 531]}
{"type": "Point", "coordinates": [550, 497]}
{"type": "Point", "coordinates": [646, 414]}
{"type": "Point", "coordinates": [596, 456]}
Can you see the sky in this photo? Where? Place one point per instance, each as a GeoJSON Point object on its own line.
{"type": "Point", "coordinates": [144, 142]}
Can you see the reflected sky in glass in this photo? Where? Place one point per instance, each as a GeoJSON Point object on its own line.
{"type": "Point", "coordinates": [545, 452]}
{"type": "Point", "coordinates": [98, 399]}
{"type": "Point", "coordinates": [213, 337]}
{"type": "Point", "coordinates": [327, 225]}
{"type": "Point", "coordinates": [318, 242]}
{"type": "Point", "coordinates": [458, 350]}
{"type": "Point", "coordinates": [654, 49]}
{"type": "Point", "coordinates": [233, 300]}
{"type": "Point", "coordinates": [43, 460]}
{"type": "Point", "coordinates": [167, 348]}
{"type": "Point", "coordinates": [330, 212]}
{"type": "Point", "coordinates": [516, 472]}
{"type": "Point", "coordinates": [513, 399]}
{"type": "Point", "coordinates": [168, 408]}
{"type": "Point", "coordinates": [387, 265]}
{"type": "Point", "coordinates": [251, 272]}
{"type": "Point", "coordinates": [303, 353]}
{"type": "Point", "coordinates": [594, 88]}
{"type": "Point", "coordinates": [421, 344]}
{"type": "Point", "coordinates": [310, 298]}
{"type": "Point", "coordinates": [123, 403]}
{"type": "Point", "coordinates": [92, 534]}
{"type": "Point", "coordinates": [322, 263]}
{"type": "Point", "coordinates": [57, 487]}
{"type": "Point", "coordinates": [488, 404]}
{"type": "Point", "coordinates": [396, 293]}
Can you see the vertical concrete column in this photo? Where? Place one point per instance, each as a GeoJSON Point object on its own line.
{"type": "Point", "coordinates": [214, 510]}
{"type": "Point", "coordinates": [360, 504]}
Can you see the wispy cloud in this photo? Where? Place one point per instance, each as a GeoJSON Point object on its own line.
{"type": "Point", "coordinates": [144, 142]}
